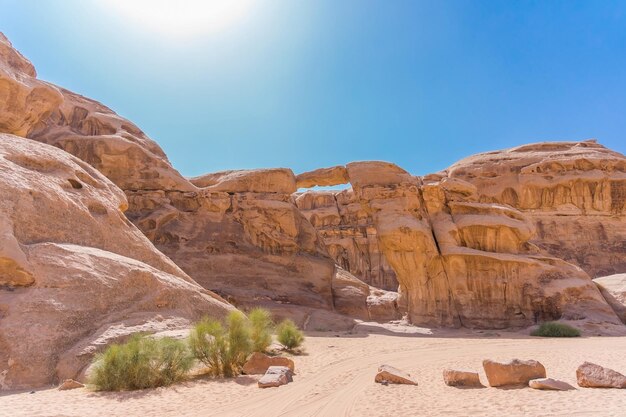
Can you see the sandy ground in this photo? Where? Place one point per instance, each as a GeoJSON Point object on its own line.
{"type": "Point", "coordinates": [336, 378]}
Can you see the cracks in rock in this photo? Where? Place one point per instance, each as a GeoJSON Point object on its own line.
{"type": "Point", "coordinates": [440, 253]}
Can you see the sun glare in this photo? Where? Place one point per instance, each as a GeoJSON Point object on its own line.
{"type": "Point", "coordinates": [181, 17]}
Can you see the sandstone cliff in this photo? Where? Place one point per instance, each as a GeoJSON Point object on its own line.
{"type": "Point", "coordinates": [459, 261]}
{"type": "Point", "coordinates": [574, 193]}
{"type": "Point", "coordinates": [75, 274]}
{"type": "Point", "coordinates": [477, 245]}
{"type": "Point", "coordinates": [237, 233]}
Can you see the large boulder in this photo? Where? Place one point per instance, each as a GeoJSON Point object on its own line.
{"type": "Point", "coordinates": [75, 273]}
{"type": "Point", "coordinates": [590, 375]}
{"type": "Point", "coordinates": [514, 372]}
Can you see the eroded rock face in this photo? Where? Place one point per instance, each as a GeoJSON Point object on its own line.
{"type": "Point", "coordinates": [236, 232]}
{"type": "Point", "coordinates": [76, 274]}
{"type": "Point", "coordinates": [459, 261]}
{"type": "Point", "coordinates": [464, 247]}
{"type": "Point", "coordinates": [613, 289]}
{"type": "Point", "coordinates": [568, 190]}
{"type": "Point", "coordinates": [41, 111]}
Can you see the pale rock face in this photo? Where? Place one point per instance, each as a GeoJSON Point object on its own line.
{"type": "Point", "coordinates": [76, 274]}
{"type": "Point", "coordinates": [515, 372]}
{"type": "Point", "coordinates": [458, 261]}
{"type": "Point", "coordinates": [568, 190]}
{"type": "Point", "coordinates": [613, 289]}
{"type": "Point", "coordinates": [85, 128]}
{"type": "Point", "coordinates": [236, 232]}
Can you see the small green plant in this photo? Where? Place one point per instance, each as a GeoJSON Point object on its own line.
{"type": "Point", "coordinates": [142, 362]}
{"type": "Point", "coordinates": [554, 329]}
{"type": "Point", "coordinates": [289, 335]}
{"type": "Point", "coordinates": [222, 350]}
{"type": "Point", "coordinates": [239, 343]}
{"type": "Point", "coordinates": [260, 329]}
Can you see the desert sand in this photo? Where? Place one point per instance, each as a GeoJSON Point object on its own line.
{"type": "Point", "coordinates": [336, 378]}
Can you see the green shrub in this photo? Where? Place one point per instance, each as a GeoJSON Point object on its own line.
{"type": "Point", "coordinates": [222, 350]}
{"type": "Point", "coordinates": [239, 343]}
{"type": "Point", "coordinates": [141, 363]}
{"type": "Point", "coordinates": [208, 344]}
{"type": "Point", "coordinates": [260, 329]}
{"type": "Point", "coordinates": [289, 335]}
{"type": "Point", "coordinates": [554, 329]}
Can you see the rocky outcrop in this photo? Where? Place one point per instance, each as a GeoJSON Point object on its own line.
{"type": "Point", "coordinates": [41, 111]}
{"type": "Point", "coordinates": [478, 245]}
{"type": "Point", "coordinates": [349, 235]}
{"type": "Point", "coordinates": [75, 273]}
{"type": "Point", "coordinates": [235, 232]}
{"type": "Point", "coordinates": [568, 190]}
{"type": "Point", "coordinates": [459, 261]}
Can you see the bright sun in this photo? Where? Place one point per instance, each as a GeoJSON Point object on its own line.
{"type": "Point", "coordinates": [181, 17]}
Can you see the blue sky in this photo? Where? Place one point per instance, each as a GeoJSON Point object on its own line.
{"type": "Point", "coordinates": [308, 84]}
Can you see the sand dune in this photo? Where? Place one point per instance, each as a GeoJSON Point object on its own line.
{"type": "Point", "coordinates": [336, 378]}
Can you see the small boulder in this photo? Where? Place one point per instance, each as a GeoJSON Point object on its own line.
{"type": "Point", "coordinates": [275, 377]}
{"type": "Point", "coordinates": [70, 384]}
{"type": "Point", "coordinates": [549, 384]}
{"type": "Point", "coordinates": [258, 363]}
{"type": "Point", "coordinates": [392, 375]}
{"type": "Point", "coordinates": [456, 378]}
{"type": "Point", "coordinates": [515, 372]}
{"type": "Point", "coordinates": [590, 375]}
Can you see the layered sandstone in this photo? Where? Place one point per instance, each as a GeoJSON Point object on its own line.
{"type": "Point", "coordinates": [478, 245]}
{"type": "Point", "coordinates": [459, 261]}
{"type": "Point", "coordinates": [75, 274]}
{"type": "Point", "coordinates": [573, 192]}
{"type": "Point", "coordinates": [238, 233]}
{"type": "Point", "coordinates": [41, 111]}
